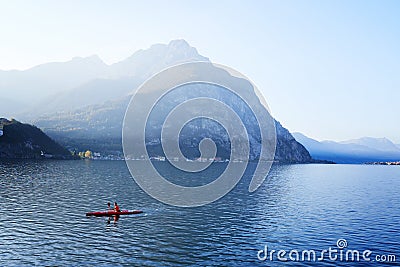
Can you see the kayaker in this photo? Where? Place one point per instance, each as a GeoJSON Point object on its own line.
{"type": "Point", "coordinates": [116, 207]}
{"type": "Point", "coordinates": [109, 206]}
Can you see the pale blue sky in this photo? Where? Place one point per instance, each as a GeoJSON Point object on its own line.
{"type": "Point", "coordinates": [329, 69]}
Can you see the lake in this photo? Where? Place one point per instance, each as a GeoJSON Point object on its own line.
{"type": "Point", "coordinates": [298, 207]}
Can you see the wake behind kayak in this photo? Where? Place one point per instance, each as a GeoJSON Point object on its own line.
{"type": "Point", "coordinates": [112, 213]}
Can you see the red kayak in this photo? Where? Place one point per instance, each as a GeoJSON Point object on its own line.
{"type": "Point", "coordinates": [113, 213]}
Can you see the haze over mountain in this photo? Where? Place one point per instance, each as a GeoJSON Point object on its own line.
{"type": "Point", "coordinates": [35, 83]}
{"type": "Point", "coordinates": [362, 150]}
{"type": "Point", "coordinates": [380, 144]}
{"type": "Point", "coordinates": [85, 81]}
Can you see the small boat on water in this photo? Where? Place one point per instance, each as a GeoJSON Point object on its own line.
{"type": "Point", "coordinates": [113, 213]}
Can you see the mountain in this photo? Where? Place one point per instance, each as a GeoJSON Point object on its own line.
{"type": "Point", "coordinates": [98, 127]}
{"type": "Point", "coordinates": [381, 144]}
{"type": "Point", "coordinates": [366, 149]}
{"type": "Point", "coordinates": [288, 149]}
{"type": "Point", "coordinates": [32, 85]}
{"type": "Point", "coordinates": [18, 140]}
{"type": "Point", "coordinates": [145, 63]}
{"type": "Point", "coordinates": [81, 103]}
{"type": "Point", "coordinates": [96, 91]}
{"type": "Point", "coordinates": [82, 82]}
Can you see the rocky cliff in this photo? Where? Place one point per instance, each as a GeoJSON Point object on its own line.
{"type": "Point", "coordinates": [288, 150]}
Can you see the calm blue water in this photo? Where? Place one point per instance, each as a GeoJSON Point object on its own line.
{"type": "Point", "coordinates": [43, 222]}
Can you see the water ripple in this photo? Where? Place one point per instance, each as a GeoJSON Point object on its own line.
{"type": "Point", "coordinates": [44, 203]}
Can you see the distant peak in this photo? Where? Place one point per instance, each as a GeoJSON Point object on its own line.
{"type": "Point", "coordinates": [94, 57]}
{"type": "Point", "coordinates": [89, 58]}
{"type": "Point", "coordinates": [179, 43]}
{"type": "Point", "coordinates": [176, 51]}
{"type": "Point", "coordinates": [368, 138]}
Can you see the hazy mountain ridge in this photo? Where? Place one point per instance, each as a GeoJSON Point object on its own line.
{"type": "Point", "coordinates": [144, 63]}
{"type": "Point", "coordinates": [380, 144]}
{"type": "Point", "coordinates": [362, 150]}
{"type": "Point", "coordinates": [94, 92]}
{"type": "Point", "coordinates": [40, 81]}
{"type": "Point", "coordinates": [59, 86]}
